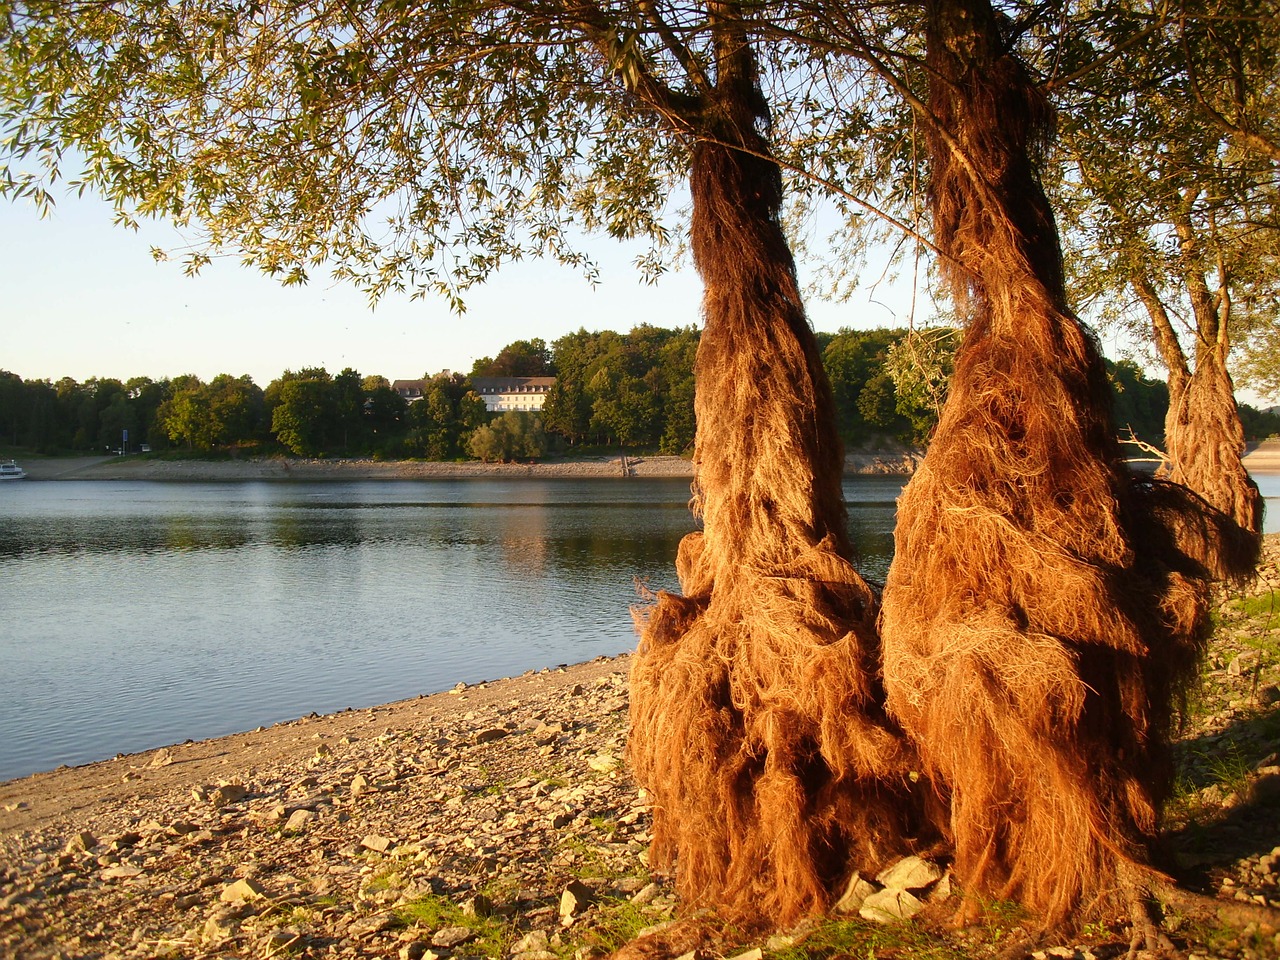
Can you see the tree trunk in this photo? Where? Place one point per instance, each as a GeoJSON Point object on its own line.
{"type": "Point", "coordinates": [1035, 634]}
{"type": "Point", "coordinates": [1204, 439]}
{"type": "Point", "coordinates": [756, 706]}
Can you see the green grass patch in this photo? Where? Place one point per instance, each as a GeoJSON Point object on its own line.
{"type": "Point", "coordinates": [614, 924]}
{"type": "Point", "coordinates": [874, 941]}
{"type": "Point", "coordinates": [493, 934]}
{"type": "Point", "coordinates": [1261, 610]}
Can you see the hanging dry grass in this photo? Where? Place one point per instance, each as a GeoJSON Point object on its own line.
{"type": "Point", "coordinates": [756, 706]}
{"type": "Point", "coordinates": [1041, 616]}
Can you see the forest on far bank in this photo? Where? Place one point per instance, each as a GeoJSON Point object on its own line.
{"type": "Point", "coordinates": [613, 390]}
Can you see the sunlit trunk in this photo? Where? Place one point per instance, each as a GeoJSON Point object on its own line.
{"type": "Point", "coordinates": [757, 719]}
{"type": "Point", "coordinates": [1035, 630]}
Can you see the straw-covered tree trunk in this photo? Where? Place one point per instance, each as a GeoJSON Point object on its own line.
{"type": "Point", "coordinates": [757, 717]}
{"type": "Point", "coordinates": [1204, 439]}
{"type": "Point", "coordinates": [1035, 631]}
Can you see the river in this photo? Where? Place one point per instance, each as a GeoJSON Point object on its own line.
{"type": "Point", "coordinates": [139, 614]}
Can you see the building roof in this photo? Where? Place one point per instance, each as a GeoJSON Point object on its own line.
{"type": "Point", "coordinates": [408, 388]}
{"type": "Point", "coordinates": [512, 384]}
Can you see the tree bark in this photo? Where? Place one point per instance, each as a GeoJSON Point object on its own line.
{"type": "Point", "coordinates": [757, 717]}
{"type": "Point", "coordinates": [1037, 622]}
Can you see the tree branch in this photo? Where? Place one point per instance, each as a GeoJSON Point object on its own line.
{"type": "Point", "coordinates": [1252, 140]}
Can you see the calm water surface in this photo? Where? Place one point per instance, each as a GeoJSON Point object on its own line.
{"type": "Point", "coordinates": [134, 615]}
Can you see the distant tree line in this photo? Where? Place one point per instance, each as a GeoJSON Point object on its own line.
{"type": "Point", "coordinates": [613, 390]}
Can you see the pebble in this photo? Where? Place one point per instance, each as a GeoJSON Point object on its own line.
{"type": "Point", "coordinates": [298, 821]}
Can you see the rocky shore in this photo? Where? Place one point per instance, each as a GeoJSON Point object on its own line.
{"type": "Point", "coordinates": [499, 821]}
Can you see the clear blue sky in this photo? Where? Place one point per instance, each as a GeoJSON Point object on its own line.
{"type": "Point", "coordinates": [84, 298]}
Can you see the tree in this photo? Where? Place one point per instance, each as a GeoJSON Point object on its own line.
{"type": "Point", "coordinates": [1140, 402]}
{"type": "Point", "coordinates": [921, 364]}
{"type": "Point", "coordinates": [1043, 606]}
{"type": "Point", "coordinates": [385, 412]}
{"type": "Point", "coordinates": [523, 358]}
{"type": "Point", "coordinates": [634, 388]}
{"type": "Point", "coordinates": [678, 358]}
{"type": "Point", "coordinates": [418, 147]}
{"type": "Point", "coordinates": [183, 415]}
{"type": "Point", "coordinates": [12, 403]}
{"type": "Point", "coordinates": [148, 395]}
{"type": "Point", "coordinates": [1191, 256]}
{"type": "Point", "coordinates": [442, 418]}
{"type": "Point", "coordinates": [305, 412]}
{"type": "Point", "coordinates": [1261, 362]}
{"type": "Point", "coordinates": [853, 358]}
{"type": "Point", "coordinates": [514, 435]}
{"type": "Point", "coordinates": [234, 406]}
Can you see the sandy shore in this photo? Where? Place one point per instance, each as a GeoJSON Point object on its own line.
{"type": "Point", "coordinates": [287, 468]}
{"type": "Point", "coordinates": [1262, 457]}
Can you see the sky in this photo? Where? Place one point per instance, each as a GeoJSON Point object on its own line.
{"type": "Point", "coordinates": [84, 298]}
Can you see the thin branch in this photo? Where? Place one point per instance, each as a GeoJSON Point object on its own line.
{"type": "Point", "coordinates": [1157, 455]}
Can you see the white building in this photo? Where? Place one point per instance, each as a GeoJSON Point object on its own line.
{"type": "Point", "coordinates": [501, 394]}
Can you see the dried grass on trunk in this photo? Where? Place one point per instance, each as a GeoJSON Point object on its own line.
{"type": "Point", "coordinates": [756, 707]}
{"type": "Point", "coordinates": [1039, 620]}
{"type": "Point", "coordinates": [1204, 440]}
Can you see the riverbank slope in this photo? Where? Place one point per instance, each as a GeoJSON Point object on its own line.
{"type": "Point", "coordinates": [498, 820]}
{"type": "Point", "coordinates": [292, 468]}
{"type": "Point", "coordinates": [1263, 457]}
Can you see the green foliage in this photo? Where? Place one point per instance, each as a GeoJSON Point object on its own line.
{"type": "Point", "coordinates": [1140, 402]}
{"type": "Point", "coordinates": [1258, 366]}
{"type": "Point", "coordinates": [304, 408]}
{"type": "Point", "coordinates": [1172, 217]}
{"type": "Point", "coordinates": [523, 358]}
{"type": "Point", "coordinates": [514, 435]}
{"type": "Point", "coordinates": [1261, 608]}
{"type": "Point", "coordinates": [409, 147]}
{"type": "Point", "coordinates": [853, 358]}
{"type": "Point", "coordinates": [1259, 424]}
{"type": "Point", "coordinates": [634, 389]}
{"type": "Point", "coordinates": [440, 419]}
{"type": "Point", "coordinates": [920, 364]}
{"type": "Point", "coordinates": [615, 923]}
{"type": "Point", "coordinates": [864, 938]}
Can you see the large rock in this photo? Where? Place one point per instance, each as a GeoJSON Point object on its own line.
{"type": "Point", "coordinates": [909, 873]}
{"type": "Point", "coordinates": [221, 795]}
{"type": "Point", "coordinates": [575, 898]}
{"type": "Point", "coordinates": [450, 937]}
{"type": "Point", "coordinates": [243, 889]}
{"type": "Point", "coordinates": [82, 841]}
{"type": "Point", "coordinates": [890, 906]}
{"type": "Point", "coordinates": [855, 893]}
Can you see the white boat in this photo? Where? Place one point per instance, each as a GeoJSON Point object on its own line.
{"type": "Point", "coordinates": [9, 470]}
